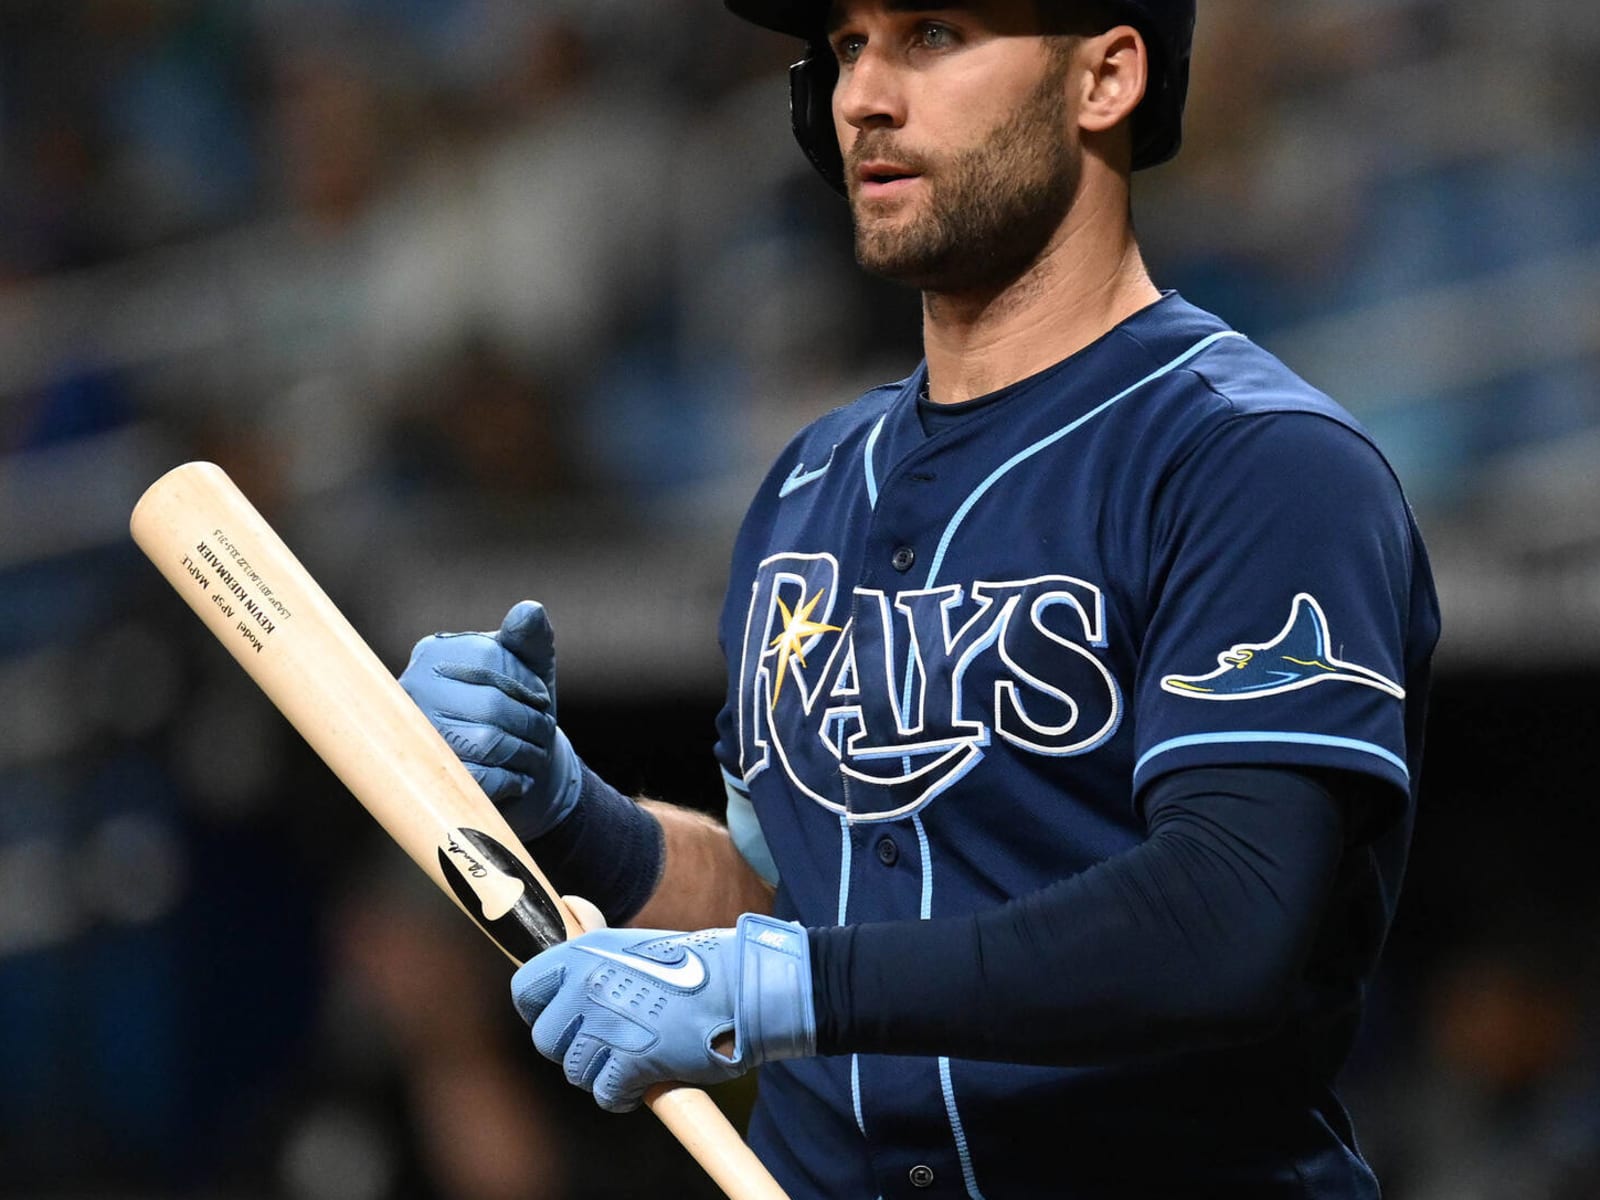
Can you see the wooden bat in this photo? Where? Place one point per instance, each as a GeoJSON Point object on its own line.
{"type": "Point", "coordinates": [264, 606]}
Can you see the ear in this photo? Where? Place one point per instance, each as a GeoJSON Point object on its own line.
{"type": "Point", "coordinates": [1117, 70]}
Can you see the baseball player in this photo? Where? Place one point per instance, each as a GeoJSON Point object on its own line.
{"type": "Point", "coordinates": [1075, 689]}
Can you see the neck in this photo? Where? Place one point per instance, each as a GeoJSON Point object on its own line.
{"type": "Point", "coordinates": [1089, 279]}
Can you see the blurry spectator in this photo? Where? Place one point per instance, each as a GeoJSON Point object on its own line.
{"type": "Point", "coordinates": [481, 424]}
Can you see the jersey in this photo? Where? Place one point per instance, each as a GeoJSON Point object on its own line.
{"type": "Point", "coordinates": [957, 657]}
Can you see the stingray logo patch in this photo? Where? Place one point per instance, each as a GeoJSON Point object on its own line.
{"type": "Point", "coordinates": [1297, 658]}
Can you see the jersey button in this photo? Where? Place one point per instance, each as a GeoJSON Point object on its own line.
{"type": "Point", "coordinates": [902, 558]}
{"type": "Point", "coordinates": [921, 1176]}
{"type": "Point", "coordinates": [888, 852]}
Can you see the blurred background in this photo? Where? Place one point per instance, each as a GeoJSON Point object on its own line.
{"type": "Point", "coordinates": [481, 299]}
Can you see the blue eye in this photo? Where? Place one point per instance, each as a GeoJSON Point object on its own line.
{"type": "Point", "coordinates": [848, 48]}
{"type": "Point", "coordinates": [936, 37]}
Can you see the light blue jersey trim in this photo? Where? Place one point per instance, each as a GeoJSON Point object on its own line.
{"type": "Point", "coordinates": [968, 1175]}
{"type": "Point", "coordinates": [855, 1092]}
{"type": "Point", "coordinates": [745, 829]}
{"type": "Point", "coordinates": [1289, 739]}
{"type": "Point", "coordinates": [952, 1113]}
{"type": "Point", "coordinates": [927, 868]}
{"type": "Point", "coordinates": [844, 908]}
{"type": "Point", "coordinates": [1028, 452]}
{"type": "Point", "coordinates": [844, 867]}
{"type": "Point", "coordinates": [866, 455]}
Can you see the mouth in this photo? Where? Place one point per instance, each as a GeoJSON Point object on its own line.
{"type": "Point", "coordinates": [880, 180]}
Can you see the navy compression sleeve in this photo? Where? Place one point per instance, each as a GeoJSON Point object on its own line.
{"type": "Point", "coordinates": [1193, 938]}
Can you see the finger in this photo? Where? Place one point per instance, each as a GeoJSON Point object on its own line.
{"type": "Point", "coordinates": [555, 1030]}
{"type": "Point", "coordinates": [585, 1058]}
{"type": "Point", "coordinates": [527, 634]}
{"type": "Point", "coordinates": [499, 784]}
{"type": "Point", "coordinates": [490, 744]}
{"type": "Point", "coordinates": [522, 689]}
{"type": "Point", "coordinates": [466, 700]}
{"type": "Point", "coordinates": [589, 917]}
{"type": "Point", "coordinates": [618, 1091]}
{"type": "Point", "coordinates": [535, 985]}
{"type": "Point", "coordinates": [419, 677]}
{"type": "Point", "coordinates": [462, 647]}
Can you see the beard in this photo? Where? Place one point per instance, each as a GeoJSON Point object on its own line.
{"type": "Point", "coordinates": [990, 210]}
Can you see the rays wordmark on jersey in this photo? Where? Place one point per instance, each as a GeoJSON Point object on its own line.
{"type": "Point", "coordinates": [874, 703]}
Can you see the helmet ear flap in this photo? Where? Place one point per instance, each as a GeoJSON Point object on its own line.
{"type": "Point", "coordinates": [811, 82]}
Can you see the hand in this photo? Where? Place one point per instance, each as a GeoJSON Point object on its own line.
{"type": "Point", "coordinates": [622, 1009]}
{"type": "Point", "coordinates": [492, 696]}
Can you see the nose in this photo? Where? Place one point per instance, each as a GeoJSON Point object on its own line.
{"type": "Point", "coordinates": [869, 93]}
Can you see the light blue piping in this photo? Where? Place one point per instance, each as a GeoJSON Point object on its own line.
{"type": "Point", "coordinates": [844, 866]}
{"type": "Point", "coordinates": [1291, 739]}
{"type": "Point", "coordinates": [968, 1176]}
{"type": "Point", "coordinates": [844, 906]}
{"type": "Point", "coordinates": [866, 454]}
{"type": "Point", "coordinates": [1029, 451]}
{"type": "Point", "coordinates": [927, 868]}
{"type": "Point", "coordinates": [855, 1092]}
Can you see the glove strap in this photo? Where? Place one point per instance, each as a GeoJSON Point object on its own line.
{"type": "Point", "coordinates": [774, 1016]}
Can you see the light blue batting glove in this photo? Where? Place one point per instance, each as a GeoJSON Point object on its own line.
{"type": "Point", "coordinates": [492, 696]}
{"type": "Point", "coordinates": [623, 1009]}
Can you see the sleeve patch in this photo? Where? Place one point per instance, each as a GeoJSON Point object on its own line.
{"type": "Point", "coordinates": [1300, 656]}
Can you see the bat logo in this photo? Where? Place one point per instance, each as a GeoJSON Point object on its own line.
{"type": "Point", "coordinates": [500, 894]}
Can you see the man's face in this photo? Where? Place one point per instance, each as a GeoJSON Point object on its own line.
{"type": "Point", "coordinates": [957, 130]}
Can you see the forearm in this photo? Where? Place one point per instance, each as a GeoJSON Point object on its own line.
{"type": "Point", "coordinates": [649, 864]}
{"type": "Point", "coordinates": [1194, 938]}
{"type": "Point", "coordinates": [704, 882]}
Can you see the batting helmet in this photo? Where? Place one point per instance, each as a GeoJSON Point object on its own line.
{"type": "Point", "coordinates": [1167, 27]}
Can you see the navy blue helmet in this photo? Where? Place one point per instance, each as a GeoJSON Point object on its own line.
{"type": "Point", "coordinates": [1167, 27]}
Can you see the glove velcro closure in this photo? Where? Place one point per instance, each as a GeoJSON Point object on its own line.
{"type": "Point", "coordinates": [775, 1015]}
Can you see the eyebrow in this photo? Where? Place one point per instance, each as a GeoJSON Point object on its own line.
{"type": "Point", "coordinates": [836, 19]}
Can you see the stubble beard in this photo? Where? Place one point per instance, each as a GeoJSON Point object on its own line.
{"type": "Point", "coordinates": [991, 210]}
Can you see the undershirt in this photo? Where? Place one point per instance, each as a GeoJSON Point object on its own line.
{"type": "Point", "coordinates": [1195, 938]}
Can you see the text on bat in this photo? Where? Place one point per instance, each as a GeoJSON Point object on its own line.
{"type": "Point", "coordinates": [231, 582]}
{"type": "Point", "coordinates": [249, 572]}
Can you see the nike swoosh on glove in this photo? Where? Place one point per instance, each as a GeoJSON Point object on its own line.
{"type": "Point", "coordinates": [623, 1009]}
{"type": "Point", "coordinates": [492, 697]}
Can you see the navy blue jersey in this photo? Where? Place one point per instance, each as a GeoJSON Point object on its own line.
{"type": "Point", "coordinates": [956, 658]}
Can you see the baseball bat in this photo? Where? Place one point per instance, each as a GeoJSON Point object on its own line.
{"type": "Point", "coordinates": [257, 599]}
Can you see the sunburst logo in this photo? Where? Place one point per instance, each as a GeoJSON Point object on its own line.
{"type": "Point", "coordinates": [798, 629]}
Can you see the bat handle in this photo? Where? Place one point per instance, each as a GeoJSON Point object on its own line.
{"type": "Point", "coordinates": [694, 1119]}
{"type": "Point", "coordinates": [689, 1114]}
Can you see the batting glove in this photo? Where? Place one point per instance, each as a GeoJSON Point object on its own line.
{"type": "Point", "coordinates": [492, 696]}
{"type": "Point", "coordinates": [623, 1009]}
